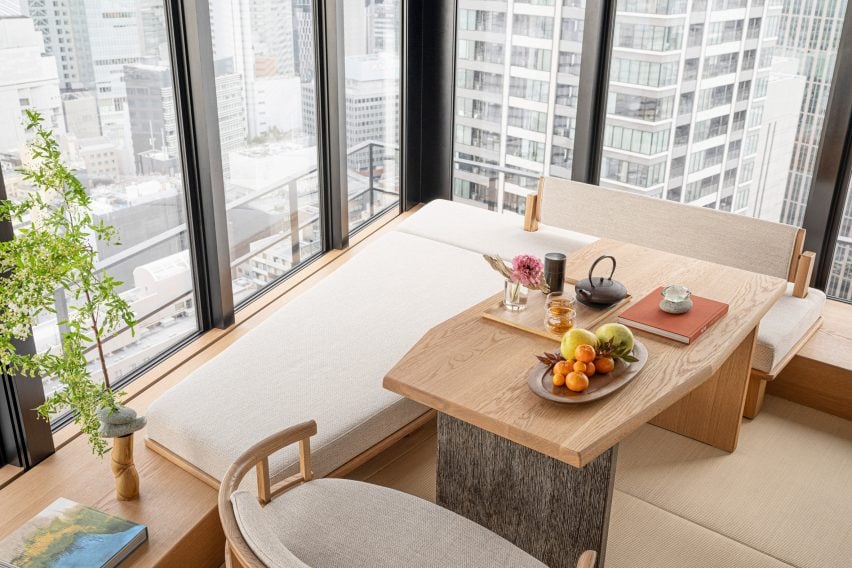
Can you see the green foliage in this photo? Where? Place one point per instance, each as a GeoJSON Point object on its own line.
{"type": "Point", "coordinates": [54, 248]}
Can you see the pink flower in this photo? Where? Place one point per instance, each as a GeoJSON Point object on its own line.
{"type": "Point", "coordinates": [527, 270]}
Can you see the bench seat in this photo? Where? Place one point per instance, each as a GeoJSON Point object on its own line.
{"type": "Point", "coordinates": [485, 232]}
{"type": "Point", "coordinates": [323, 356]}
{"type": "Point", "coordinates": [782, 327]}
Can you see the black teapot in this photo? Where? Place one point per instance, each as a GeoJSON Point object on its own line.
{"type": "Point", "coordinates": [600, 292]}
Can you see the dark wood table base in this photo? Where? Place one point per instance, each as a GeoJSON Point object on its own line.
{"type": "Point", "coordinates": [548, 508]}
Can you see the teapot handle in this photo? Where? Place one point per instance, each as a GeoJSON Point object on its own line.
{"type": "Point", "coordinates": [595, 263]}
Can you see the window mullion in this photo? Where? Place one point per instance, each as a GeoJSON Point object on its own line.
{"type": "Point", "coordinates": [331, 121]}
{"type": "Point", "coordinates": [195, 95]}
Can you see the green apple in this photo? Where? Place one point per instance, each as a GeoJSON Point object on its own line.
{"type": "Point", "coordinates": [575, 337]}
{"type": "Point", "coordinates": [621, 336]}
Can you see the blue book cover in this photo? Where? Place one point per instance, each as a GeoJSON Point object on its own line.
{"type": "Point", "coordinates": [69, 535]}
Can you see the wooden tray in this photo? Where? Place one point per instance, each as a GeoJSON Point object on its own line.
{"type": "Point", "coordinates": [531, 319]}
{"type": "Point", "coordinates": [541, 382]}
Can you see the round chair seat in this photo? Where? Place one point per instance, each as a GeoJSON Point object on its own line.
{"type": "Point", "coordinates": [339, 523]}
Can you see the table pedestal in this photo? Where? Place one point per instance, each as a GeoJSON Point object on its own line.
{"type": "Point", "coordinates": [548, 508]}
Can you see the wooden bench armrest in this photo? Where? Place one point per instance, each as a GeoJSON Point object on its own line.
{"type": "Point", "coordinates": [257, 456]}
{"type": "Point", "coordinates": [802, 277]}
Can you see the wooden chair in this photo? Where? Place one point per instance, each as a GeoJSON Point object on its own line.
{"type": "Point", "coordinates": [751, 244]}
{"type": "Point", "coordinates": [309, 511]}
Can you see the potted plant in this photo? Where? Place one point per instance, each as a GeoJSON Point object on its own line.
{"type": "Point", "coordinates": [55, 249]}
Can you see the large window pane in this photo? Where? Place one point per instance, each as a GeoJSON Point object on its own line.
{"type": "Point", "coordinates": [840, 280]}
{"type": "Point", "coordinates": [517, 72]}
{"type": "Point", "coordinates": [373, 87]}
{"type": "Point", "coordinates": [733, 115]}
{"type": "Point", "coordinates": [264, 58]}
{"type": "Point", "coordinates": [99, 73]}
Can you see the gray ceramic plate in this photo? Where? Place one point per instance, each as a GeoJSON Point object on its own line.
{"type": "Point", "coordinates": [541, 380]}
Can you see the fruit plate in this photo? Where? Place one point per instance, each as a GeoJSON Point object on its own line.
{"type": "Point", "coordinates": [541, 382]}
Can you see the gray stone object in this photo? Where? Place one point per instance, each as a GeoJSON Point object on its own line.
{"type": "Point", "coordinates": [121, 422]}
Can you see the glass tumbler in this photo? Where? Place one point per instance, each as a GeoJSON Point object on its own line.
{"type": "Point", "coordinates": [559, 312]}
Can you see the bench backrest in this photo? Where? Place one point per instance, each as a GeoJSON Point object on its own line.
{"type": "Point", "coordinates": [706, 234]}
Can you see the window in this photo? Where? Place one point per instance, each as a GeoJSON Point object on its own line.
{"type": "Point", "coordinates": [639, 107]}
{"type": "Point", "coordinates": [633, 140]}
{"type": "Point", "coordinates": [840, 278]}
{"type": "Point", "coordinates": [120, 133]}
{"type": "Point", "coordinates": [750, 91]}
{"type": "Point", "coordinates": [498, 159]}
{"type": "Point", "coordinates": [647, 37]}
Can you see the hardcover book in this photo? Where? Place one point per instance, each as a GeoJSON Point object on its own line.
{"type": "Point", "coordinates": [68, 534]}
{"type": "Point", "coordinates": [646, 315]}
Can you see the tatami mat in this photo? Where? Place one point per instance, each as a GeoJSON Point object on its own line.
{"type": "Point", "coordinates": [784, 498]}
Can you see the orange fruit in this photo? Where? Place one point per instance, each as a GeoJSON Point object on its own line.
{"type": "Point", "coordinates": [579, 366]}
{"type": "Point", "coordinates": [577, 382]}
{"type": "Point", "coordinates": [590, 369]}
{"type": "Point", "coordinates": [584, 353]}
{"type": "Point", "coordinates": [604, 364]}
{"type": "Point", "coordinates": [558, 380]}
{"type": "Point", "coordinates": [562, 368]}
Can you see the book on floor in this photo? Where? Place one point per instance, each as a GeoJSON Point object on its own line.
{"type": "Point", "coordinates": [646, 315]}
{"type": "Point", "coordinates": [70, 534]}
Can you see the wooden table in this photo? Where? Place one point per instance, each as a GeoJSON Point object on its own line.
{"type": "Point", "coordinates": [540, 473]}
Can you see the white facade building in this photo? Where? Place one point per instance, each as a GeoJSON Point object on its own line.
{"type": "Point", "coordinates": [28, 79]}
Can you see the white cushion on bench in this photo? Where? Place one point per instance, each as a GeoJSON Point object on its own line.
{"type": "Point", "coordinates": [487, 232]}
{"type": "Point", "coordinates": [323, 356]}
{"type": "Point", "coordinates": [784, 325]}
{"type": "Point", "coordinates": [336, 523]}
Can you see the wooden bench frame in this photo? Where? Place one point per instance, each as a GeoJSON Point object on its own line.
{"type": "Point", "coordinates": [799, 273]}
{"type": "Point", "coordinates": [237, 551]}
{"type": "Point", "coordinates": [341, 471]}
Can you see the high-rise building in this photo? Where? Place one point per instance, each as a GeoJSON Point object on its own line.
{"type": "Point", "coordinates": [372, 86]}
{"type": "Point", "coordinates": [810, 33]}
{"type": "Point", "coordinates": [684, 110]}
{"type": "Point", "coordinates": [81, 114]}
{"type": "Point", "coordinates": [64, 26]}
{"type": "Point", "coordinates": [28, 80]}
{"type": "Point", "coordinates": [233, 124]}
{"type": "Point", "coordinates": [272, 33]}
{"type": "Point", "coordinates": [150, 104]}
{"type": "Point", "coordinates": [303, 39]}
{"type": "Point", "coordinates": [384, 26]}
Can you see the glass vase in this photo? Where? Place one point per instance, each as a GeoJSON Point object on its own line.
{"type": "Point", "coordinates": [515, 296]}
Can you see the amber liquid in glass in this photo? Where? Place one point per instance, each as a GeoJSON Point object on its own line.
{"type": "Point", "coordinates": [559, 316]}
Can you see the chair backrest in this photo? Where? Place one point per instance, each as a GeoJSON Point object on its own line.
{"type": "Point", "coordinates": [706, 234]}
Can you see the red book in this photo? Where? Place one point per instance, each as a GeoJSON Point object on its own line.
{"type": "Point", "coordinates": [686, 328]}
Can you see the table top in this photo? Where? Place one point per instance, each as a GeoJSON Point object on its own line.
{"type": "Point", "coordinates": [475, 369]}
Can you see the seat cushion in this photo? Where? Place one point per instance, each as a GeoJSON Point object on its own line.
{"type": "Point", "coordinates": [783, 491]}
{"type": "Point", "coordinates": [339, 523]}
{"type": "Point", "coordinates": [323, 356]}
{"type": "Point", "coordinates": [642, 535]}
{"type": "Point", "coordinates": [784, 325]}
{"type": "Point", "coordinates": [486, 232]}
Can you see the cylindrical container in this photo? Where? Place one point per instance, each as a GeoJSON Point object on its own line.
{"type": "Point", "coordinates": [554, 271]}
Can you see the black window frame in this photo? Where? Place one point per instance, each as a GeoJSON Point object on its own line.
{"type": "Point", "coordinates": [26, 439]}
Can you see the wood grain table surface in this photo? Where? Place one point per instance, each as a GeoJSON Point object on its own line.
{"type": "Point", "coordinates": [475, 370]}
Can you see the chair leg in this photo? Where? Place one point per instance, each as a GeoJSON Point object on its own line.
{"type": "Point", "coordinates": [754, 396]}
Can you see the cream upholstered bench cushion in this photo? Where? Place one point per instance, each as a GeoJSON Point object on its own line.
{"type": "Point", "coordinates": [338, 523]}
{"type": "Point", "coordinates": [784, 325]}
{"type": "Point", "coordinates": [785, 491]}
{"type": "Point", "coordinates": [323, 356]}
{"type": "Point", "coordinates": [487, 232]}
